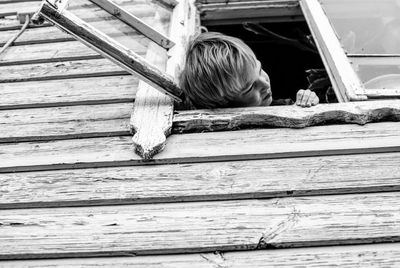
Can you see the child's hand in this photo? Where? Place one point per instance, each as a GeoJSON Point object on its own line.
{"type": "Point", "coordinates": [306, 98]}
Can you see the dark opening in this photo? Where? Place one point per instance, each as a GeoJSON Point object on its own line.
{"type": "Point", "coordinates": [286, 52]}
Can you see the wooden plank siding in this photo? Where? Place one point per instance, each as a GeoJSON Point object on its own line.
{"type": "Point", "coordinates": [73, 193]}
{"type": "Point", "coordinates": [247, 179]}
{"type": "Point", "coordinates": [204, 147]}
{"type": "Point", "coordinates": [78, 91]}
{"type": "Point", "coordinates": [374, 256]}
{"type": "Point", "coordinates": [225, 225]}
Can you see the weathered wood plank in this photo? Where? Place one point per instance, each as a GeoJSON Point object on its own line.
{"type": "Point", "coordinates": [203, 181]}
{"type": "Point", "coordinates": [61, 51]}
{"type": "Point", "coordinates": [65, 122]}
{"type": "Point", "coordinates": [150, 106]}
{"type": "Point", "coordinates": [286, 116]}
{"type": "Point", "coordinates": [374, 256]}
{"type": "Point", "coordinates": [79, 91]}
{"type": "Point", "coordinates": [205, 147]}
{"type": "Point", "coordinates": [135, 22]}
{"type": "Point", "coordinates": [59, 70]}
{"type": "Point", "coordinates": [41, 35]}
{"type": "Point", "coordinates": [111, 49]}
{"type": "Point", "coordinates": [235, 12]}
{"type": "Point", "coordinates": [14, 7]}
{"type": "Point", "coordinates": [200, 226]}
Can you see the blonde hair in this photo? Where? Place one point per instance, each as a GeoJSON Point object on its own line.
{"type": "Point", "coordinates": [216, 69]}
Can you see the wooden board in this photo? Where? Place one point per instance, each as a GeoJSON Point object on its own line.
{"type": "Point", "coordinates": [199, 226]}
{"type": "Point", "coordinates": [69, 122]}
{"type": "Point", "coordinates": [79, 91]}
{"type": "Point", "coordinates": [374, 256]}
{"type": "Point", "coordinates": [205, 147]}
{"type": "Point", "coordinates": [52, 34]}
{"type": "Point", "coordinates": [78, 6]}
{"type": "Point", "coordinates": [59, 70]}
{"type": "Point", "coordinates": [202, 181]}
{"type": "Point", "coordinates": [286, 116]}
{"type": "Point", "coordinates": [61, 51]}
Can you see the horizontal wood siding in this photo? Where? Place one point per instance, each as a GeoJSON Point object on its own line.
{"type": "Point", "coordinates": [199, 227]}
{"type": "Point", "coordinates": [374, 256]}
{"type": "Point", "coordinates": [205, 147]}
{"type": "Point", "coordinates": [203, 181]}
{"type": "Point", "coordinates": [78, 91]}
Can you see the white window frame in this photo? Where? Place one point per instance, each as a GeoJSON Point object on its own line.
{"type": "Point", "coordinates": [345, 81]}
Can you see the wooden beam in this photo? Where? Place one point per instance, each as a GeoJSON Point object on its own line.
{"type": "Point", "coordinates": [345, 81]}
{"type": "Point", "coordinates": [198, 227]}
{"type": "Point", "coordinates": [111, 49]}
{"type": "Point", "coordinates": [373, 256]}
{"type": "Point", "coordinates": [78, 91]}
{"type": "Point", "coordinates": [213, 181]}
{"type": "Point", "coordinates": [189, 148]}
{"type": "Point", "coordinates": [149, 139]}
{"type": "Point", "coordinates": [135, 22]}
{"type": "Point", "coordinates": [286, 116]}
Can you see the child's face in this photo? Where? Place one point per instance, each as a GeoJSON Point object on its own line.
{"type": "Point", "coordinates": [258, 92]}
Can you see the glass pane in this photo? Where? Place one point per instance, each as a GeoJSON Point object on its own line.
{"type": "Point", "coordinates": [366, 26]}
{"type": "Point", "coordinates": [378, 72]}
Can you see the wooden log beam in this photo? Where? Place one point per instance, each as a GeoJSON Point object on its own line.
{"type": "Point", "coordinates": [139, 25]}
{"type": "Point", "coordinates": [286, 116]}
{"type": "Point", "coordinates": [108, 47]}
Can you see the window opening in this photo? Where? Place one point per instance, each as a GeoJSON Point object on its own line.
{"type": "Point", "coordinates": [288, 55]}
{"type": "Point", "coordinates": [360, 41]}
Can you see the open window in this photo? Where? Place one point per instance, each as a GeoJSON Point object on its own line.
{"type": "Point", "coordinates": [114, 47]}
{"type": "Point", "coordinates": [360, 44]}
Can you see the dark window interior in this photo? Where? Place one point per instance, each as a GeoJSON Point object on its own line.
{"type": "Point", "coordinates": [286, 51]}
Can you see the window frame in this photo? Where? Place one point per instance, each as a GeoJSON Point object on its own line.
{"type": "Point", "coordinates": [56, 12]}
{"type": "Point", "coordinates": [345, 80]}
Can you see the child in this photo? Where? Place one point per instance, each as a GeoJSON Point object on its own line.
{"type": "Point", "coordinates": [222, 71]}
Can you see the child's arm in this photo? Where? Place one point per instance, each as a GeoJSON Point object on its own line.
{"type": "Point", "coordinates": [306, 98]}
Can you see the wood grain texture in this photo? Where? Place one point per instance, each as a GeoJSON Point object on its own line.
{"type": "Point", "coordinates": [374, 256]}
{"type": "Point", "coordinates": [42, 35]}
{"type": "Point", "coordinates": [200, 226]}
{"type": "Point", "coordinates": [202, 181]}
{"type": "Point", "coordinates": [151, 118]}
{"type": "Point", "coordinates": [69, 122]}
{"type": "Point", "coordinates": [150, 106]}
{"type": "Point", "coordinates": [79, 91]}
{"type": "Point", "coordinates": [189, 148]}
{"type": "Point", "coordinates": [235, 12]}
{"type": "Point", "coordinates": [135, 22]}
{"type": "Point", "coordinates": [286, 116]}
{"type": "Point", "coordinates": [108, 47]}
{"type": "Point", "coordinates": [59, 70]}
{"type": "Point", "coordinates": [61, 51]}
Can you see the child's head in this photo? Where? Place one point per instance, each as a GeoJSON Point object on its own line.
{"type": "Point", "coordinates": [222, 71]}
